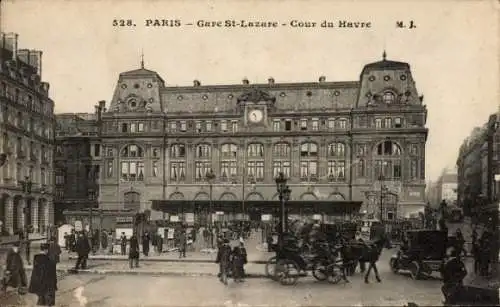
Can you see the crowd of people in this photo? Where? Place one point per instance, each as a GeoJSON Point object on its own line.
{"type": "Point", "coordinates": [43, 281]}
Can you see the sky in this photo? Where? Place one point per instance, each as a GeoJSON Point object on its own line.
{"type": "Point", "coordinates": [453, 51]}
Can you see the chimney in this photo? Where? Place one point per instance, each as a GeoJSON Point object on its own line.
{"type": "Point", "coordinates": [24, 55]}
{"type": "Point", "coordinates": [10, 43]}
{"type": "Point", "coordinates": [35, 60]}
{"type": "Point", "coordinates": [46, 87]}
{"type": "Point", "coordinates": [270, 80]}
{"type": "Point", "coordinates": [196, 83]}
{"type": "Point", "coordinates": [322, 79]}
{"type": "Point", "coordinates": [245, 81]}
{"type": "Point", "coordinates": [102, 105]}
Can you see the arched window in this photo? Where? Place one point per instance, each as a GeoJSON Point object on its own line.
{"type": "Point", "coordinates": [388, 160]}
{"type": "Point", "coordinates": [132, 164]}
{"type": "Point", "coordinates": [255, 151]}
{"type": "Point", "coordinates": [203, 151]}
{"type": "Point", "coordinates": [202, 163]}
{"type": "Point", "coordinates": [255, 162]}
{"type": "Point", "coordinates": [336, 162]}
{"type": "Point", "coordinates": [177, 162]}
{"type": "Point", "coordinates": [308, 162]}
{"type": "Point", "coordinates": [388, 97]}
{"type": "Point", "coordinates": [132, 151]}
{"type": "Point", "coordinates": [281, 159]}
{"type": "Point", "coordinates": [228, 162]}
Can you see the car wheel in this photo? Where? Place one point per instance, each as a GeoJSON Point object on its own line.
{"type": "Point", "coordinates": [414, 268]}
{"type": "Point", "coordinates": [394, 265]}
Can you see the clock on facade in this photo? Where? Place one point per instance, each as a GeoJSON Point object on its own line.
{"type": "Point", "coordinates": [255, 116]}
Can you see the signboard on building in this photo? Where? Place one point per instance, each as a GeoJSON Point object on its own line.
{"type": "Point", "coordinates": [266, 217]}
{"type": "Point", "coordinates": [317, 217]}
{"type": "Point", "coordinates": [78, 226]}
{"type": "Point", "coordinates": [189, 218]}
{"type": "Point", "coordinates": [174, 218]}
{"type": "Point", "coordinates": [124, 219]}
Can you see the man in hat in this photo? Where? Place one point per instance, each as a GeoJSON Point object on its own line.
{"type": "Point", "coordinates": [15, 273]}
{"type": "Point", "coordinates": [453, 273]}
{"type": "Point", "coordinates": [224, 260]}
{"type": "Point", "coordinates": [43, 281]}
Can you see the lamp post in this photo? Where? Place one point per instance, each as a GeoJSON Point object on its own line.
{"type": "Point", "coordinates": [210, 176]}
{"type": "Point", "coordinates": [382, 189]}
{"type": "Point", "coordinates": [27, 184]}
{"type": "Point", "coordinates": [284, 195]}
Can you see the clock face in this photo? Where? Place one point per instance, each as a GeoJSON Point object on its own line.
{"type": "Point", "coordinates": [255, 116]}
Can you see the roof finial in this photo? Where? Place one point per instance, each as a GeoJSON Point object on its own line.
{"type": "Point", "coordinates": [142, 59]}
{"type": "Point", "coordinates": [384, 55]}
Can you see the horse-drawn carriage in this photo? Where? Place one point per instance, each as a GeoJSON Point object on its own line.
{"type": "Point", "coordinates": [423, 253]}
{"type": "Point", "coordinates": [293, 261]}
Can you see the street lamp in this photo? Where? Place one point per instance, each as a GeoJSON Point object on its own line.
{"type": "Point", "coordinates": [210, 176]}
{"type": "Point", "coordinates": [284, 195]}
{"type": "Point", "coordinates": [27, 184]}
{"type": "Point", "coordinates": [382, 189]}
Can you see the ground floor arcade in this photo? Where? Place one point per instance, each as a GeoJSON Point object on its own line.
{"type": "Point", "coordinates": [18, 211]}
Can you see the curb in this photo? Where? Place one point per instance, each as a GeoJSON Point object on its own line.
{"type": "Point", "coordinates": [148, 273]}
{"type": "Point", "coordinates": [6, 243]}
{"type": "Point", "coordinates": [164, 260]}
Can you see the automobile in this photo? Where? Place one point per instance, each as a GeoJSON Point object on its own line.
{"type": "Point", "coordinates": [423, 253]}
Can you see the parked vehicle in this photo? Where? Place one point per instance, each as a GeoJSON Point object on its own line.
{"type": "Point", "coordinates": [422, 254]}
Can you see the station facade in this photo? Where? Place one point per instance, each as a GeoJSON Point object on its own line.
{"type": "Point", "coordinates": [352, 141]}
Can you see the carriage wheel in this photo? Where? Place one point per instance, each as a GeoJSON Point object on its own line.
{"type": "Point", "coordinates": [271, 267]}
{"type": "Point", "coordinates": [393, 263]}
{"type": "Point", "coordinates": [319, 271]}
{"type": "Point", "coordinates": [287, 272]}
{"type": "Point", "coordinates": [414, 268]}
{"type": "Point", "coordinates": [335, 273]}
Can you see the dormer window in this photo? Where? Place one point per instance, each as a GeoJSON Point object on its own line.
{"type": "Point", "coordinates": [388, 97]}
{"type": "Point", "coordinates": [133, 103]}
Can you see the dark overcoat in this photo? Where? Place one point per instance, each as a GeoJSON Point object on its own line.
{"type": "Point", "coordinates": [44, 276]}
{"type": "Point", "coordinates": [134, 248]}
{"type": "Point", "coordinates": [17, 274]}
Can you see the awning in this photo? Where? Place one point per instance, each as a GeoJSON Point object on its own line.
{"type": "Point", "coordinates": [236, 206]}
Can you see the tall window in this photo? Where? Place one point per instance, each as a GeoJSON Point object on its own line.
{"type": "Point", "coordinates": [378, 123]}
{"type": "Point", "coordinates": [388, 160]}
{"type": "Point", "coordinates": [177, 151]}
{"type": "Point", "coordinates": [308, 162]}
{"type": "Point", "coordinates": [177, 163]}
{"type": "Point", "coordinates": [234, 126]}
{"type": "Point", "coordinates": [336, 162]}
{"type": "Point", "coordinates": [183, 126]}
{"type": "Point", "coordinates": [342, 123]}
{"type": "Point", "coordinates": [315, 124]}
{"type": "Point", "coordinates": [201, 168]}
{"type": "Point", "coordinates": [281, 159]}
{"type": "Point", "coordinates": [203, 161]}
{"type": "Point", "coordinates": [276, 125]}
{"type": "Point", "coordinates": [414, 156]}
{"type": "Point", "coordinates": [388, 123]}
{"type": "Point", "coordinates": [229, 161]}
{"type": "Point", "coordinates": [132, 164]}
{"type": "Point", "coordinates": [255, 162]}
{"type": "Point", "coordinates": [388, 97]}
{"type": "Point", "coordinates": [223, 126]}
{"type": "Point", "coordinates": [303, 124]}
{"type": "Point", "coordinates": [203, 151]}
{"type": "Point", "coordinates": [331, 124]}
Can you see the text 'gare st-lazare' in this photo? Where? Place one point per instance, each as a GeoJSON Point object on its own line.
{"type": "Point", "coordinates": [337, 142]}
{"type": "Point", "coordinates": [233, 23]}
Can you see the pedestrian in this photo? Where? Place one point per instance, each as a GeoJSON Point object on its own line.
{"type": "Point", "coordinates": [104, 240]}
{"type": "Point", "coordinates": [72, 241]}
{"type": "Point", "coordinates": [159, 243]}
{"type": "Point", "coordinates": [224, 261]}
{"type": "Point", "coordinates": [123, 244]}
{"type": "Point", "coordinates": [43, 281]}
{"type": "Point", "coordinates": [145, 243]}
{"type": "Point", "coordinates": [133, 254]}
{"type": "Point", "coordinates": [453, 273]}
{"type": "Point", "coordinates": [83, 250]}
{"type": "Point", "coordinates": [475, 250]}
{"type": "Point", "coordinates": [373, 254]}
{"type": "Point", "coordinates": [460, 242]}
{"type": "Point", "coordinates": [15, 275]}
{"type": "Point", "coordinates": [66, 241]}
{"type": "Point", "coordinates": [485, 243]}
{"type": "Point", "coordinates": [27, 248]}
{"type": "Point", "coordinates": [182, 244]}
{"type": "Point", "coordinates": [239, 259]}
{"type": "Point", "coordinates": [54, 250]}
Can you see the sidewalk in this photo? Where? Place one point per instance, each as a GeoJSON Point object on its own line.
{"type": "Point", "coordinates": [158, 269]}
{"type": "Point", "coordinates": [475, 280]}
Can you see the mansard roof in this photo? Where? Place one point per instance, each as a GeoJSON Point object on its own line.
{"type": "Point", "coordinates": [141, 72]}
{"type": "Point", "coordinates": [386, 65]}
